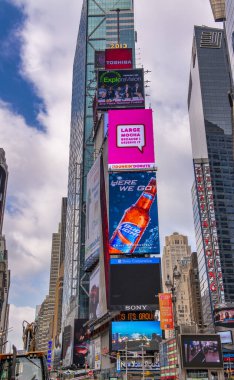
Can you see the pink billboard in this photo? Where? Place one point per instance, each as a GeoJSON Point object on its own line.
{"type": "Point", "coordinates": [130, 140]}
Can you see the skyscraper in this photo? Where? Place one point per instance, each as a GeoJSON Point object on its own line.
{"type": "Point", "coordinates": [3, 185]}
{"type": "Point", "coordinates": [4, 271]}
{"type": "Point", "coordinates": [102, 24]}
{"type": "Point", "coordinates": [177, 252]}
{"type": "Point", "coordinates": [212, 148]}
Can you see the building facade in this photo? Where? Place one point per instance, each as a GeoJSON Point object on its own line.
{"type": "Point", "coordinates": [177, 253]}
{"type": "Point", "coordinates": [4, 271]}
{"type": "Point", "coordinates": [102, 24]}
{"type": "Point", "coordinates": [212, 148]}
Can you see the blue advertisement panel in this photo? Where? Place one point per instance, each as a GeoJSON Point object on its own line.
{"type": "Point", "coordinates": [135, 333]}
{"type": "Point", "coordinates": [133, 214]}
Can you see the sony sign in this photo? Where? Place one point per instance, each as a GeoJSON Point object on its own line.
{"type": "Point", "coordinates": [136, 307]}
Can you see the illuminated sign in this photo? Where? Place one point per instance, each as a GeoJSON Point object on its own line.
{"type": "Point", "coordinates": [209, 231]}
{"type": "Point", "coordinates": [130, 140]}
{"type": "Point", "coordinates": [201, 351]}
{"type": "Point", "coordinates": [120, 89]}
{"type": "Point", "coordinates": [133, 214]}
{"type": "Point", "coordinates": [166, 311]}
{"type": "Point", "coordinates": [118, 59]}
{"type": "Point", "coordinates": [133, 334]}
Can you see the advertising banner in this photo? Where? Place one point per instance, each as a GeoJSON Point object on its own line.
{"type": "Point", "coordinates": [120, 89]}
{"type": "Point", "coordinates": [118, 59]}
{"type": "Point", "coordinates": [93, 215]}
{"type": "Point", "coordinates": [133, 214]}
{"type": "Point", "coordinates": [224, 317]}
{"type": "Point", "coordinates": [81, 343]}
{"type": "Point", "coordinates": [166, 311]}
{"type": "Point", "coordinates": [151, 364]}
{"type": "Point", "coordinates": [130, 140]}
{"type": "Point", "coordinates": [94, 295]}
{"type": "Point", "coordinates": [134, 285]}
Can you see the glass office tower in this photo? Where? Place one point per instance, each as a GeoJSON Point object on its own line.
{"type": "Point", "coordinates": [102, 22]}
{"type": "Point", "coordinates": [212, 147]}
{"type": "Point", "coordinates": [229, 26]}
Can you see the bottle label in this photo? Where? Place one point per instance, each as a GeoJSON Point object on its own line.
{"type": "Point", "coordinates": [130, 232]}
{"type": "Point", "coordinates": [148, 196]}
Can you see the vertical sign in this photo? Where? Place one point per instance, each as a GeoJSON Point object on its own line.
{"type": "Point", "coordinates": [209, 231]}
{"type": "Point", "coordinates": [166, 312]}
{"type": "Point", "coordinates": [93, 214]}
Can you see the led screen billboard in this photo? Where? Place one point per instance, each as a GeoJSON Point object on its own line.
{"type": "Point", "coordinates": [224, 317]}
{"type": "Point", "coordinates": [130, 140]}
{"type": "Point", "coordinates": [133, 214]}
{"type": "Point", "coordinates": [118, 59]}
{"type": "Point", "coordinates": [135, 333]}
{"type": "Point", "coordinates": [120, 89]}
{"type": "Point", "coordinates": [134, 284]}
{"type": "Point", "coordinates": [93, 215]}
{"type": "Point", "coordinates": [81, 343]}
{"type": "Point", "coordinates": [201, 351]}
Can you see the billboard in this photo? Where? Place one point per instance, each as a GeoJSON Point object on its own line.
{"type": "Point", "coordinates": [81, 343]}
{"type": "Point", "coordinates": [94, 295]}
{"type": "Point", "coordinates": [166, 311]}
{"type": "Point", "coordinates": [225, 336]}
{"type": "Point", "coordinates": [130, 140]}
{"type": "Point", "coordinates": [120, 89]}
{"type": "Point", "coordinates": [224, 317]}
{"type": "Point", "coordinates": [93, 215]}
{"type": "Point", "coordinates": [133, 334]}
{"type": "Point", "coordinates": [201, 351]}
{"type": "Point", "coordinates": [97, 350]}
{"type": "Point", "coordinates": [118, 59]}
{"type": "Point", "coordinates": [134, 284]}
{"type": "Point", "coordinates": [133, 214]}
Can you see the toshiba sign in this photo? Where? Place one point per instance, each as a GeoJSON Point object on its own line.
{"type": "Point", "coordinates": [118, 59]}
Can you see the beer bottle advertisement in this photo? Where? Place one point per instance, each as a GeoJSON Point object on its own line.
{"type": "Point", "coordinates": [133, 214]}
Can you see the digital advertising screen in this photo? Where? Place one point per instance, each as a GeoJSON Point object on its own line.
{"type": "Point", "coordinates": [225, 336]}
{"type": "Point", "coordinates": [130, 140]}
{"type": "Point", "coordinates": [132, 335]}
{"type": "Point", "coordinates": [93, 215]}
{"type": "Point", "coordinates": [134, 284]}
{"type": "Point", "coordinates": [201, 351]}
{"type": "Point", "coordinates": [120, 89]}
{"type": "Point", "coordinates": [133, 214]}
{"type": "Point", "coordinates": [224, 317]}
{"type": "Point", "coordinates": [81, 343]}
{"type": "Point", "coordinates": [118, 59]}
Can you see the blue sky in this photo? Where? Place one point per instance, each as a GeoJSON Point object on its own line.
{"type": "Point", "coordinates": [37, 44]}
{"type": "Point", "coordinates": [16, 90]}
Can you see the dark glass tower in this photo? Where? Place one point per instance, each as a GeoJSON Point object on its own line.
{"type": "Point", "coordinates": [212, 146]}
{"type": "Point", "coordinates": [102, 23]}
{"type": "Point", "coordinates": [3, 185]}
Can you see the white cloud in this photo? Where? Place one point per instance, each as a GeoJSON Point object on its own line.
{"type": "Point", "coordinates": [17, 316]}
{"type": "Point", "coordinates": [38, 162]}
